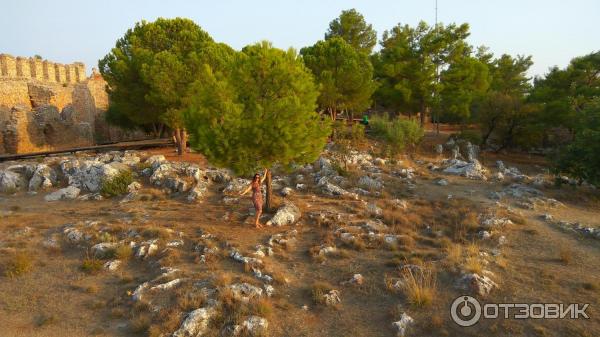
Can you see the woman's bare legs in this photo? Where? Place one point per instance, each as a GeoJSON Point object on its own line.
{"type": "Point", "coordinates": [256, 221]}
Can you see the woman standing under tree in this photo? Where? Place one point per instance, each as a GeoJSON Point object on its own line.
{"type": "Point", "coordinates": [257, 198]}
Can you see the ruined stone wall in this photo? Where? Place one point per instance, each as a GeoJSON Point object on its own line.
{"type": "Point", "coordinates": [46, 105]}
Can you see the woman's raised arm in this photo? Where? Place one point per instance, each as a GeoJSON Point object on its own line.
{"type": "Point", "coordinates": [264, 176]}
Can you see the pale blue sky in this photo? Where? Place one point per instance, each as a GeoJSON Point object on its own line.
{"type": "Point", "coordinates": [552, 31]}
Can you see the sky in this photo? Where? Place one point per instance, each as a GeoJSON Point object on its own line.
{"type": "Point", "coordinates": [65, 31]}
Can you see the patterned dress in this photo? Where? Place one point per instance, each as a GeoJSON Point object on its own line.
{"type": "Point", "coordinates": [257, 196]}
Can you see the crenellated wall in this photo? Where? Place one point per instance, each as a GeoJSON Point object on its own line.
{"type": "Point", "coordinates": [46, 105]}
{"type": "Point", "coordinates": [41, 70]}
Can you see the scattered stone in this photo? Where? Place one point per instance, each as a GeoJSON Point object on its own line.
{"type": "Point", "coordinates": [166, 286]}
{"type": "Point", "coordinates": [245, 291]}
{"type": "Point", "coordinates": [255, 326]}
{"type": "Point", "coordinates": [369, 183]}
{"type": "Point", "coordinates": [374, 210]}
{"type": "Point", "coordinates": [356, 279]}
{"type": "Point", "coordinates": [269, 289]}
{"type": "Point", "coordinates": [11, 181]}
{"type": "Point", "coordinates": [471, 170]}
{"type": "Point", "coordinates": [480, 285]}
{"type": "Point", "coordinates": [441, 182]}
{"type": "Point", "coordinates": [67, 193]}
{"type": "Point", "coordinates": [287, 191]}
{"type": "Point", "coordinates": [43, 177]}
{"type": "Point", "coordinates": [484, 235]}
{"type": "Point", "coordinates": [138, 292]}
{"type": "Point", "coordinates": [403, 325]}
{"type": "Point", "coordinates": [74, 235]}
{"type": "Point", "coordinates": [289, 214]}
{"type": "Point", "coordinates": [327, 250]}
{"type": "Point", "coordinates": [102, 249]}
{"type": "Point", "coordinates": [196, 323]}
{"type": "Point", "coordinates": [112, 265]}
{"type": "Point", "coordinates": [332, 298]}
{"type": "Point", "coordinates": [197, 192]}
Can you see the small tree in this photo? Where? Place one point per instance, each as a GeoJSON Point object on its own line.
{"type": "Point", "coordinates": [261, 115]}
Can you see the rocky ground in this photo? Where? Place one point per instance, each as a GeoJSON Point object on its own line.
{"type": "Point", "coordinates": [358, 246]}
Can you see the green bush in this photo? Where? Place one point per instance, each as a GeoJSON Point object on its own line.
{"type": "Point", "coordinates": [342, 131]}
{"type": "Point", "coordinates": [117, 185]}
{"type": "Point", "coordinates": [396, 133]}
{"type": "Point", "coordinates": [470, 135]}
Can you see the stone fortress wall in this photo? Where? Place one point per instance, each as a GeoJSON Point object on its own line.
{"type": "Point", "coordinates": [46, 105]}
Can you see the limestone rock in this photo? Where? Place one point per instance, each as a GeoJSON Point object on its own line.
{"type": "Point", "coordinates": [471, 170]}
{"type": "Point", "coordinates": [197, 192]}
{"type": "Point", "coordinates": [103, 248]}
{"type": "Point", "coordinates": [289, 214]}
{"type": "Point", "coordinates": [196, 323]}
{"type": "Point", "coordinates": [332, 298]}
{"type": "Point", "coordinates": [245, 291]}
{"type": "Point", "coordinates": [112, 265]}
{"type": "Point", "coordinates": [87, 174]}
{"type": "Point", "coordinates": [370, 183]}
{"type": "Point", "coordinates": [255, 326]}
{"type": "Point", "coordinates": [43, 177]}
{"type": "Point", "coordinates": [403, 324]}
{"type": "Point", "coordinates": [478, 284]}
{"type": "Point", "coordinates": [11, 181]}
{"type": "Point", "coordinates": [286, 191]}
{"type": "Point", "coordinates": [236, 186]}
{"type": "Point", "coordinates": [67, 193]}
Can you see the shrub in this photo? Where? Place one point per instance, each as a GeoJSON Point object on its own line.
{"type": "Point", "coordinates": [342, 131]}
{"type": "Point", "coordinates": [470, 135]}
{"type": "Point", "coordinates": [123, 252]}
{"type": "Point", "coordinates": [117, 185]}
{"type": "Point", "coordinates": [91, 265]}
{"type": "Point", "coordinates": [19, 264]}
{"type": "Point", "coordinates": [396, 133]}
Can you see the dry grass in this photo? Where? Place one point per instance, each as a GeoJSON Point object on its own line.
{"type": "Point", "coordinates": [156, 232]}
{"type": "Point", "coordinates": [419, 286]}
{"type": "Point", "coordinates": [188, 299]}
{"type": "Point", "coordinates": [318, 289]}
{"type": "Point", "coordinates": [454, 254]}
{"type": "Point", "coordinates": [18, 264]}
{"type": "Point", "coordinates": [473, 265]}
{"type": "Point", "coordinates": [123, 252]}
{"type": "Point", "coordinates": [91, 264]}
{"type": "Point", "coordinates": [141, 323]}
{"type": "Point", "coordinates": [565, 254]}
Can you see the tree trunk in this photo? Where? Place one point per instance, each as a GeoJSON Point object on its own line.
{"type": "Point", "coordinates": [178, 141]}
{"type": "Point", "coordinates": [184, 137]}
{"type": "Point", "coordinates": [422, 108]}
{"type": "Point", "coordinates": [269, 196]}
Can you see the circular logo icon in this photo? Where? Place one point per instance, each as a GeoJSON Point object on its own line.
{"type": "Point", "coordinates": [465, 311]}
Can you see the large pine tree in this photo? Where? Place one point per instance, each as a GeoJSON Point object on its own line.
{"type": "Point", "coordinates": [259, 115]}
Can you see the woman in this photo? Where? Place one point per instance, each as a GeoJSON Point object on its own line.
{"type": "Point", "coordinates": [257, 199]}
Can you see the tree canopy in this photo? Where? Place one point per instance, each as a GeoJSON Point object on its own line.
{"type": "Point", "coordinates": [344, 74]}
{"type": "Point", "coordinates": [261, 115]}
{"type": "Point", "coordinates": [150, 69]}
{"type": "Point", "coordinates": [408, 62]}
{"type": "Point", "coordinates": [352, 27]}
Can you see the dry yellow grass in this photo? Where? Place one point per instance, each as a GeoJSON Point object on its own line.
{"type": "Point", "coordinates": [419, 286]}
{"type": "Point", "coordinates": [18, 264]}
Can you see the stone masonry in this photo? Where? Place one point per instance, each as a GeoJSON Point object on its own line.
{"type": "Point", "coordinates": [46, 105]}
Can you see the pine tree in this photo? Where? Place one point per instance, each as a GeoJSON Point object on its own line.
{"type": "Point", "coordinates": [260, 115]}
